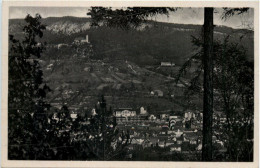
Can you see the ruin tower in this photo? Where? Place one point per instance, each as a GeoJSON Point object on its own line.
{"type": "Point", "coordinates": [87, 39]}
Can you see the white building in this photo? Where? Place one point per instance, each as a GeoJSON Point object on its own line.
{"type": "Point", "coordinates": [175, 148]}
{"type": "Point", "coordinates": [143, 111]}
{"type": "Point", "coordinates": [74, 116]}
{"type": "Point", "coordinates": [152, 117]}
{"type": "Point", "coordinates": [158, 93]}
{"type": "Point", "coordinates": [178, 133]}
{"type": "Point", "coordinates": [173, 117]}
{"type": "Point", "coordinates": [85, 40]}
{"type": "Point", "coordinates": [164, 116]}
{"type": "Point", "coordinates": [125, 113]}
{"type": "Point", "coordinates": [167, 64]}
{"type": "Point", "coordinates": [81, 39]}
{"type": "Point", "coordinates": [189, 115]}
{"type": "Point", "coordinates": [93, 112]}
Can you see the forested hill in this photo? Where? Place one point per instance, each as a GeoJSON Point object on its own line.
{"type": "Point", "coordinates": [149, 44]}
{"type": "Point", "coordinates": [125, 65]}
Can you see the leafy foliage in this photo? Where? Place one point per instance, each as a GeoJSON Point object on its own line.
{"type": "Point", "coordinates": [233, 85]}
{"type": "Point", "coordinates": [228, 12]}
{"type": "Point", "coordinates": [100, 137]}
{"type": "Point", "coordinates": [124, 18]}
{"type": "Point", "coordinates": [38, 132]}
{"type": "Point", "coordinates": [27, 120]}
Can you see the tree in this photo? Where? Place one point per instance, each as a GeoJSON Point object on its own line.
{"type": "Point", "coordinates": [231, 68]}
{"type": "Point", "coordinates": [207, 85]}
{"type": "Point", "coordinates": [237, 102]}
{"type": "Point", "coordinates": [124, 18]}
{"type": "Point", "coordinates": [27, 106]}
{"type": "Point", "coordinates": [63, 133]}
{"type": "Point", "coordinates": [37, 132]}
{"type": "Point", "coordinates": [101, 138]}
{"type": "Point", "coordinates": [133, 17]}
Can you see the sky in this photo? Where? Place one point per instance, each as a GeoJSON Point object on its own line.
{"type": "Point", "coordinates": [181, 16]}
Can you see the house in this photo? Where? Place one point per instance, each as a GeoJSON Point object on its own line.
{"type": "Point", "coordinates": [143, 111]}
{"type": "Point", "coordinates": [180, 85]}
{"type": "Point", "coordinates": [167, 64]}
{"type": "Point", "coordinates": [73, 116]}
{"type": "Point", "coordinates": [214, 138]}
{"type": "Point", "coordinates": [163, 133]}
{"type": "Point", "coordinates": [125, 112]}
{"type": "Point", "coordinates": [49, 67]}
{"type": "Point", "coordinates": [59, 46]}
{"type": "Point", "coordinates": [191, 137]}
{"type": "Point", "coordinates": [130, 147]}
{"type": "Point", "coordinates": [161, 144]}
{"type": "Point", "coordinates": [158, 93]}
{"type": "Point", "coordinates": [137, 140]}
{"type": "Point", "coordinates": [178, 126]}
{"type": "Point", "coordinates": [169, 142]}
{"type": "Point", "coordinates": [93, 112]}
{"type": "Point", "coordinates": [152, 93]}
{"type": "Point", "coordinates": [147, 143]}
{"type": "Point", "coordinates": [173, 117]}
{"type": "Point", "coordinates": [85, 123]}
{"type": "Point", "coordinates": [165, 127]}
{"type": "Point", "coordinates": [199, 147]}
{"type": "Point", "coordinates": [223, 120]}
{"type": "Point", "coordinates": [174, 139]}
{"type": "Point", "coordinates": [164, 116]}
{"type": "Point", "coordinates": [88, 69]}
{"type": "Point", "coordinates": [175, 148]}
{"type": "Point", "coordinates": [178, 133]}
{"type": "Point", "coordinates": [172, 124]}
{"type": "Point", "coordinates": [220, 142]}
{"type": "Point", "coordinates": [154, 140]}
{"type": "Point", "coordinates": [78, 39]}
{"type": "Point", "coordinates": [81, 40]}
{"type": "Point", "coordinates": [179, 139]}
{"type": "Point", "coordinates": [188, 124]}
{"type": "Point", "coordinates": [55, 117]}
{"type": "Point", "coordinates": [189, 115]}
{"type": "Point", "coordinates": [152, 117]}
{"type": "Point", "coordinates": [129, 156]}
{"type": "Point", "coordinates": [39, 44]}
{"type": "Point", "coordinates": [170, 132]}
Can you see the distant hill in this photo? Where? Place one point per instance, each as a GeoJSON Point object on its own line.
{"type": "Point", "coordinates": [150, 44]}
{"type": "Point", "coordinates": [122, 62]}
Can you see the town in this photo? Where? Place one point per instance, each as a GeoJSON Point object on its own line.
{"type": "Point", "coordinates": [172, 132]}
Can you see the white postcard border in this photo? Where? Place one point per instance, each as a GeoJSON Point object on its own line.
{"type": "Point", "coordinates": [124, 164]}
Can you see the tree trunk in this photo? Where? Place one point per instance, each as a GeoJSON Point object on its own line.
{"type": "Point", "coordinates": [103, 111]}
{"type": "Point", "coordinates": [208, 87]}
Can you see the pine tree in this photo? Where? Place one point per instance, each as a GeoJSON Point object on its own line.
{"type": "Point", "coordinates": [207, 85]}
{"type": "Point", "coordinates": [134, 17]}
{"type": "Point", "coordinates": [27, 106]}
{"type": "Point", "coordinates": [231, 68]}
{"type": "Point", "coordinates": [101, 138]}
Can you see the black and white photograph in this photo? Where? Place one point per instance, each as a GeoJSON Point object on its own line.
{"type": "Point", "coordinates": [131, 83]}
